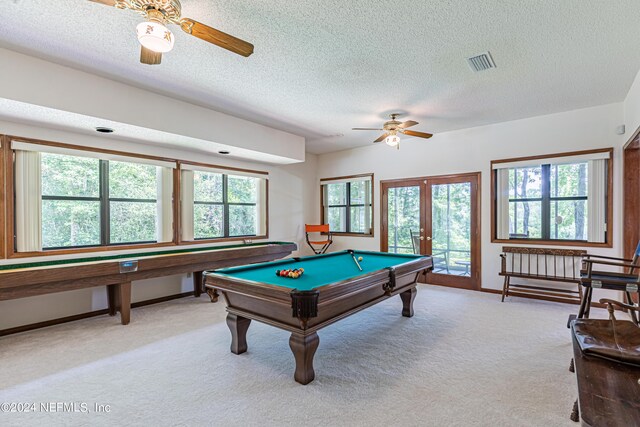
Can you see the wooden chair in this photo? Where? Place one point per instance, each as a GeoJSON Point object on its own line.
{"type": "Point", "coordinates": [415, 241]}
{"type": "Point", "coordinates": [607, 365]}
{"type": "Point", "coordinates": [318, 246]}
{"type": "Point", "coordinates": [628, 282]}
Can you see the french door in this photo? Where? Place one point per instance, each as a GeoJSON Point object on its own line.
{"type": "Point", "coordinates": [437, 216]}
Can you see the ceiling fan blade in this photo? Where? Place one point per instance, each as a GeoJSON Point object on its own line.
{"type": "Point", "coordinates": [147, 56]}
{"type": "Point", "coordinates": [407, 124]}
{"type": "Point", "coordinates": [105, 2]}
{"type": "Point", "coordinates": [216, 37]}
{"type": "Point", "coordinates": [366, 129]}
{"type": "Point", "coordinates": [381, 137]}
{"type": "Point", "coordinates": [418, 134]}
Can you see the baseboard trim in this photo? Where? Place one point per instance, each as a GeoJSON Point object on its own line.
{"type": "Point", "coordinates": [58, 321]}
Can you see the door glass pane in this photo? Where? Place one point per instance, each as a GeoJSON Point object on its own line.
{"type": "Point", "coordinates": [451, 228]}
{"type": "Point", "coordinates": [403, 222]}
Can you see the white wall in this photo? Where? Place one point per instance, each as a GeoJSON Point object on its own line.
{"type": "Point", "coordinates": [29, 80]}
{"type": "Point", "coordinates": [293, 194]}
{"type": "Point", "coordinates": [471, 150]}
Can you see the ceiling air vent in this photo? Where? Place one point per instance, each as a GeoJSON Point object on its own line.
{"type": "Point", "coordinates": [481, 62]}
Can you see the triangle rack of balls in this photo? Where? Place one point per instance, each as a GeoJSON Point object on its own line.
{"type": "Point", "coordinates": [293, 273]}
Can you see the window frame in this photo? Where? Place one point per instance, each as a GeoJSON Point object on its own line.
{"type": "Point", "coordinates": [225, 209]}
{"type": "Point", "coordinates": [8, 238]}
{"type": "Point", "coordinates": [348, 205]}
{"type": "Point", "coordinates": [104, 199]}
{"type": "Point", "coordinates": [178, 198]}
{"type": "Point", "coordinates": [608, 243]}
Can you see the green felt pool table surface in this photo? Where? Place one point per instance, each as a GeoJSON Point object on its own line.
{"type": "Point", "coordinates": [319, 270]}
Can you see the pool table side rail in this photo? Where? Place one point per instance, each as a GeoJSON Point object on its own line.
{"type": "Point", "coordinates": [293, 260]}
{"type": "Point", "coordinates": [217, 280]}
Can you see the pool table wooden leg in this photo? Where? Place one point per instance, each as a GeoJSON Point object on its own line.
{"type": "Point", "coordinates": [213, 294]}
{"type": "Point", "coordinates": [304, 348]}
{"type": "Point", "coordinates": [407, 301]}
{"type": "Point", "coordinates": [238, 326]}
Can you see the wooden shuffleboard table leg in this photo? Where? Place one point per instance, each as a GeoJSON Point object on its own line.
{"type": "Point", "coordinates": [112, 299]}
{"type": "Point", "coordinates": [197, 284]}
{"type": "Point", "coordinates": [124, 297]}
{"type": "Point", "coordinates": [119, 297]}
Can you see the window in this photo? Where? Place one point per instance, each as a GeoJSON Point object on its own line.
{"type": "Point", "coordinates": [347, 204]}
{"type": "Point", "coordinates": [559, 198]}
{"type": "Point", "coordinates": [132, 202]}
{"type": "Point", "coordinates": [220, 204]}
{"type": "Point", "coordinates": [67, 198]}
{"type": "Point", "coordinates": [70, 201]}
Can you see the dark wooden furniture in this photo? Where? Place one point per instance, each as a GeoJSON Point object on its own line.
{"type": "Point", "coordinates": [331, 288]}
{"type": "Point", "coordinates": [628, 282]}
{"type": "Point", "coordinates": [556, 265]}
{"type": "Point", "coordinates": [607, 363]}
{"type": "Point", "coordinates": [116, 272]}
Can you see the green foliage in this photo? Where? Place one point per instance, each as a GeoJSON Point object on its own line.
{"type": "Point", "coordinates": [70, 176]}
{"type": "Point", "coordinates": [207, 187]}
{"type": "Point", "coordinates": [336, 211]}
{"type": "Point", "coordinates": [70, 223]}
{"type": "Point", "coordinates": [451, 221]}
{"type": "Point", "coordinates": [568, 218]}
{"type": "Point", "coordinates": [403, 218]}
{"type": "Point", "coordinates": [67, 223]}
{"type": "Point", "coordinates": [133, 222]}
{"type": "Point", "coordinates": [242, 189]}
{"type": "Point", "coordinates": [208, 221]}
{"type": "Point", "coordinates": [132, 181]}
{"type": "Point", "coordinates": [209, 218]}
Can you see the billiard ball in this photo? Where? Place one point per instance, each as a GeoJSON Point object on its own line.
{"type": "Point", "coordinates": [277, 272]}
{"type": "Point", "coordinates": [359, 258]}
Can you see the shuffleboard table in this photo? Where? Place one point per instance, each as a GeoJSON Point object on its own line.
{"type": "Point", "coordinates": [116, 272]}
{"type": "Point", "coordinates": [331, 288]}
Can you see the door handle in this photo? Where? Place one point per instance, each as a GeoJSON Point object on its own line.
{"type": "Point", "coordinates": [421, 237]}
{"type": "Point", "coordinates": [428, 237]}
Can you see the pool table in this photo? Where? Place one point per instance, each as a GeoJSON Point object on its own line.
{"type": "Point", "coordinates": [331, 288]}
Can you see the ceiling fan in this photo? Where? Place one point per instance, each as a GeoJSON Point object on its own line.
{"type": "Point", "coordinates": [393, 127]}
{"type": "Point", "coordinates": [156, 38]}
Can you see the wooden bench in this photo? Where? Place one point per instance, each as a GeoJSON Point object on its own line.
{"type": "Point", "coordinates": [555, 265]}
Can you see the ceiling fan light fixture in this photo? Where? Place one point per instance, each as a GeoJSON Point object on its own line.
{"type": "Point", "coordinates": [155, 36]}
{"type": "Point", "coordinates": [392, 140]}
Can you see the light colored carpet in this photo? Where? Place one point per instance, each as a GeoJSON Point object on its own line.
{"type": "Point", "coordinates": [464, 359]}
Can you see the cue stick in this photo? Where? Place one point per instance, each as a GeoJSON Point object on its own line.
{"type": "Point", "coordinates": [354, 259]}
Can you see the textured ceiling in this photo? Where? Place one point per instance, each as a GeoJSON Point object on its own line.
{"type": "Point", "coordinates": [321, 67]}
